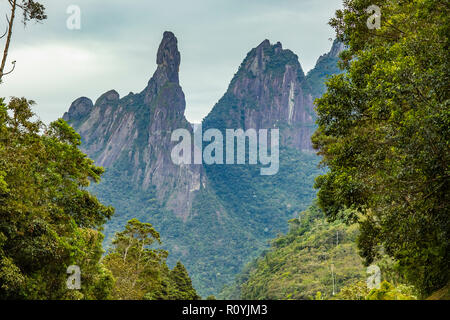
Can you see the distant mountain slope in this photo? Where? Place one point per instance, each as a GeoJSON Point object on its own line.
{"type": "Point", "coordinates": [326, 66]}
{"type": "Point", "coordinates": [312, 256]}
{"type": "Point", "coordinates": [214, 218]}
{"type": "Point", "coordinates": [132, 134]}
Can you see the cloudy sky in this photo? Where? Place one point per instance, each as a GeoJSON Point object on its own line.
{"type": "Point", "coordinates": [117, 43]}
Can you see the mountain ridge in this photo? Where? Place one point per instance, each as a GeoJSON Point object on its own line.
{"type": "Point", "coordinates": [212, 218]}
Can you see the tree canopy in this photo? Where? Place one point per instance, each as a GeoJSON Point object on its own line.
{"type": "Point", "coordinates": [384, 135]}
{"type": "Point", "coordinates": [141, 271]}
{"type": "Point", "coordinates": [48, 220]}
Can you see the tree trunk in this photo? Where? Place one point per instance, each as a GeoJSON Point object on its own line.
{"type": "Point", "coordinates": [8, 38]}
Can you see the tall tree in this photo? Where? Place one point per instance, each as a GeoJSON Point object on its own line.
{"type": "Point", "coordinates": [31, 10]}
{"type": "Point", "coordinates": [137, 268]}
{"type": "Point", "coordinates": [141, 271]}
{"type": "Point", "coordinates": [384, 135]}
{"type": "Point", "coordinates": [48, 220]}
{"type": "Point", "coordinates": [181, 284]}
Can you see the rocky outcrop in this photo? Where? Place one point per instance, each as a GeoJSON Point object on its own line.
{"type": "Point", "coordinates": [79, 110]}
{"type": "Point", "coordinates": [135, 131]}
{"type": "Point", "coordinates": [326, 66]}
{"type": "Point", "coordinates": [268, 91]}
{"type": "Point", "coordinates": [213, 217]}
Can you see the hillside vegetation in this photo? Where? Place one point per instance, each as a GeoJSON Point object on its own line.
{"type": "Point", "coordinates": [304, 262]}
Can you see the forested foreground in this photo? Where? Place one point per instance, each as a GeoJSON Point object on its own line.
{"type": "Point", "coordinates": [49, 222]}
{"type": "Point", "coordinates": [316, 260]}
{"type": "Point", "coordinates": [384, 137]}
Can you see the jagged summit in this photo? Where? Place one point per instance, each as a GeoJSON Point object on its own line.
{"type": "Point", "coordinates": [264, 44]}
{"type": "Point", "coordinates": [211, 219]}
{"type": "Point", "coordinates": [270, 57]}
{"type": "Point", "coordinates": [168, 57]}
{"type": "Point", "coordinates": [326, 65]}
{"type": "Point", "coordinates": [268, 91]}
{"type": "Point", "coordinates": [336, 48]}
{"type": "Point", "coordinates": [168, 66]}
{"type": "Point", "coordinates": [79, 109]}
{"type": "Point", "coordinates": [109, 96]}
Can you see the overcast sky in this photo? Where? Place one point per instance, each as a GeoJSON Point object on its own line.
{"type": "Point", "coordinates": [118, 40]}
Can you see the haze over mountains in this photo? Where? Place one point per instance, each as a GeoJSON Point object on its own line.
{"type": "Point", "coordinates": [214, 218]}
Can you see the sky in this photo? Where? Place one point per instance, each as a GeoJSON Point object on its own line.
{"type": "Point", "coordinates": [116, 46]}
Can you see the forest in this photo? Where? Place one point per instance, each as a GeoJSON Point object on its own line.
{"type": "Point", "coordinates": [381, 187]}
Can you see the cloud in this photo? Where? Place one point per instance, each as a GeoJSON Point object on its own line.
{"type": "Point", "coordinates": [116, 46]}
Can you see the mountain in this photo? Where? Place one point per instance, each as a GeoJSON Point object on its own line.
{"type": "Point", "coordinates": [314, 256]}
{"type": "Point", "coordinates": [214, 218]}
{"type": "Point", "coordinates": [133, 133]}
{"type": "Point", "coordinates": [326, 65]}
{"type": "Point", "coordinates": [268, 91]}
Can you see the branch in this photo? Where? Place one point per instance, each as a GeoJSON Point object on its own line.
{"type": "Point", "coordinates": [14, 66]}
{"type": "Point", "coordinates": [8, 38]}
{"type": "Point", "coordinates": [6, 31]}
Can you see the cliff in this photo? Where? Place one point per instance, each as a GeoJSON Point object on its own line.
{"type": "Point", "coordinates": [134, 131]}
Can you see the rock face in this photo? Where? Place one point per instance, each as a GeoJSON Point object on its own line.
{"type": "Point", "coordinates": [135, 132]}
{"type": "Point", "coordinates": [326, 65]}
{"type": "Point", "coordinates": [213, 218]}
{"type": "Point", "coordinates": [269, 91]}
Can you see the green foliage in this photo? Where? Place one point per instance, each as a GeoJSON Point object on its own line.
{"type": "Point", "coordinates": [441, 294]}
{"type": "Point", "coordinates": [353, 291]}
{"type": "Point", "coordinates": [140, 272]}
{"type": "Point", "coordinates": [181, 284]}
{"type": "Point", "coordinates": [388, 292]}
{"type": "Point", "coordinates": [48, 220]}
{"type": "Point", "coordinates": [298, 266]}
{"type": "Point", "coordinates": [384, 133]}
{"type": "Point", "coordinates": [244, 199]}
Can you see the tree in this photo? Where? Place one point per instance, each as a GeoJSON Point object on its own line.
{"type": "Point", "coordinates": [48, 220]}
{"type": "Point", "coordinates": [31, 10]}
{"type": "Point", "coordinates": [136, 268]}
{"type": "Point", "coordinates": [384, 135]}
{"type": "Point", "coordinates": [140, 271]}
{"type": "Point", "coordinates": [388, 292]}
{"type": "Point", "coordinates": [181, 284]}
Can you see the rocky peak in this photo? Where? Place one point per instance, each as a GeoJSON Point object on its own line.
{"type": "Point", "coordinates": [336, 48]}
{"type": "Point", "coordinates": [326, 66]}
{"type": "Point", "coordinates": [278, 47]}
{"type": "Point", "coordinates": [271, 58]}
{"type": "Point", "coordinates": [272, 65]}
{"type": "Point", "coordinates": [168, 65]}
{"type": "Point", "coordinates": [108, 97]}
{"type": "Point", "coordinates": [135, 132]}
{"type": "Point", "coordinates": [268, 91]}
{"type": "Point", "coordinates": [334, 52]}
{"type": "Point", "coordinates": [80, 108]}
{"type": "Point", "coordinates": [168, 59]}
{"type": "Point", "coordinates": [264, 44]}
